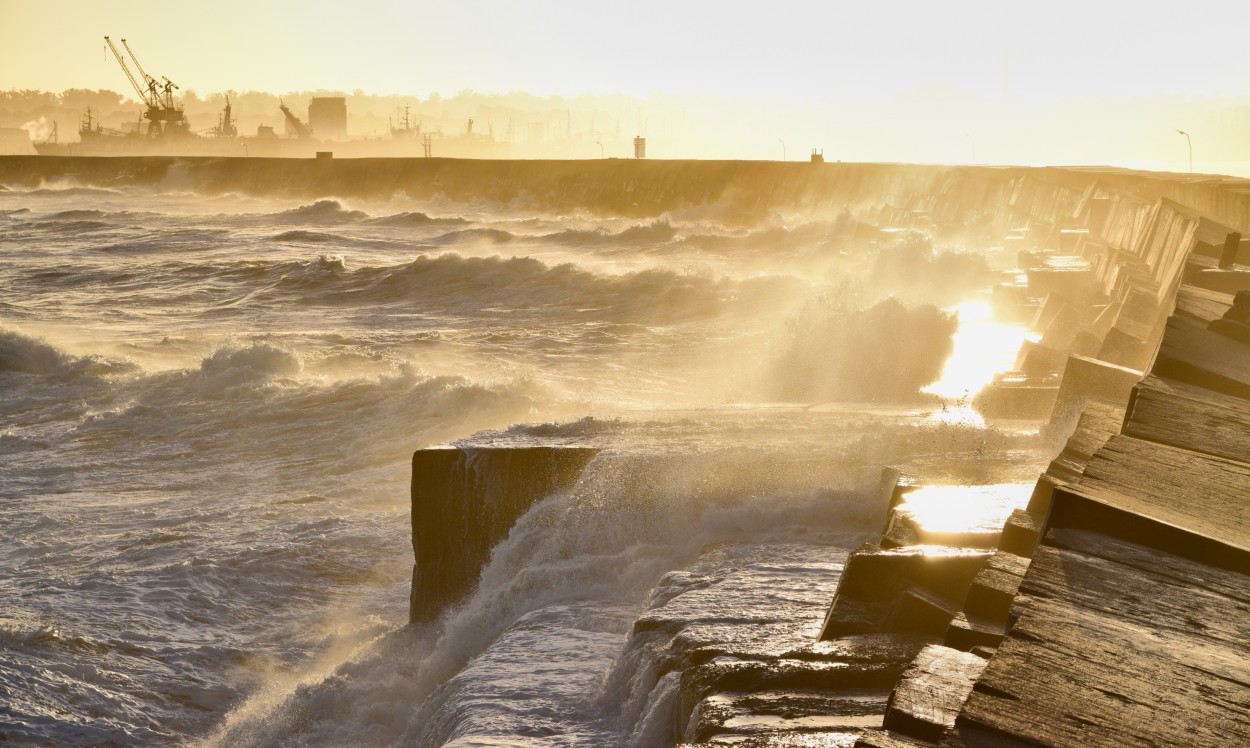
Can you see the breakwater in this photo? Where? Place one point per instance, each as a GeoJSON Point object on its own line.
{"type": "Point", "coordinates": [967, 197]}
{"type": "Point", "coordinates": [683, 580]}
{"type": "Point", "coordinates": [1110, 610]}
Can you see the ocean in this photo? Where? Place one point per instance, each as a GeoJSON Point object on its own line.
{"type": "Point", "coordinates": [210, 402]}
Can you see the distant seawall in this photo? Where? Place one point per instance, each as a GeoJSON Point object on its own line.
{"type": "Point", "coordinates": [742, 191]}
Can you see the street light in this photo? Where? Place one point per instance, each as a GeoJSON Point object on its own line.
{"type": "Point", "coordinates": [783, 148]}
{"type": "Point", "coordinates": [600, 148]}
{"type": "Point", "coordinates": [1190, 142]}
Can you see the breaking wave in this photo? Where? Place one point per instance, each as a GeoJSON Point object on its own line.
{"type": "Point", "coordinates": [885, 352]}
{"type": "Point", "coordinates": [417, 219]}
{"type": "Point", "coordinates": [656, 232]}
{"type": "Point", "coordinates": [22, 354]}
{"type": "Point", "coordinates": [322, 211]}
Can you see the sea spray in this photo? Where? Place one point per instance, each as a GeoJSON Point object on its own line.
{"type": "Point", "coordinates": [208, 421]}
{"type": "Point", "coordinates": [582, 561]}
{"type": "Point", "coordinates": [885, 352]}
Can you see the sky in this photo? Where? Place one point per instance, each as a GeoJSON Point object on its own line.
{"type": "Point", "coordinates": [1035, 52]}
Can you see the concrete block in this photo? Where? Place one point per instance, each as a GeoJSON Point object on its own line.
{"type": "Point", "coordinates": [919, 612]}
{"type": "Point", "coordinates": [931, 692]}
{"type": "Point", "coordinates": [875, 577]}
{"type": "Point", "coordinates": [1020, 535]}
{"type": "Point", "coordinates": [994, 588]}
{"type": "Point", "coordinates": [966, 634]}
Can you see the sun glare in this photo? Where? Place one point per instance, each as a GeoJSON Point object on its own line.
{"type": "Point", "coordinates": [983, 348]}
{"type": "Point", "coordinates": [952, 509]}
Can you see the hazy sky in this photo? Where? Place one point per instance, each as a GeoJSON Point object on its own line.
{"type": "Point", "coordinates": [1046, 50]}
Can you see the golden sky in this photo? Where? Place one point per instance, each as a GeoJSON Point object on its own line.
{"type": "Point", "coordinates": [1060, 81]}
{"type": "Point", "coordinates": [1037, 51]}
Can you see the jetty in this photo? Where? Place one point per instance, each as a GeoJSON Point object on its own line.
{"type": "Point", "coordinates": [1113, 609]}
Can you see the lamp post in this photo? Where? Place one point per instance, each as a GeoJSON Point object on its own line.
{"type": "Point", "coordinates": [1190, 143]}
{"type": "Point", "coordinates": [600, 148]}
{"type": "Point", "coordinates": [783, 148]}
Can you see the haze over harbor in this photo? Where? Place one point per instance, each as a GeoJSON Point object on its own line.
{"type": "Point", "coordinates": [962, 82]}
{"type": "Point", "coordinates": [666, 375]}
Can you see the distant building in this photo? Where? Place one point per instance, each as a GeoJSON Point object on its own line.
{"type": "Point", "coordinates": [640, 147]}
{"type": "Point", "coordinates": [327, 116]}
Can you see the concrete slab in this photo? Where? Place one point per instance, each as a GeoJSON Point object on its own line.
{"type": "Point", "coordinates": [1182, 415]}
{"type": "Point", "coordinates": [1195, 355]}
{"type": "Point", "coordinates": [931, 692]}
{"type": "Point", "coordinates": [1116, 645]}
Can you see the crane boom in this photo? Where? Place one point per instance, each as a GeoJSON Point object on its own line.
{"type": "Point", "coordinates": [301, 130]}
{"type": "Point", "coordinates": [152, 84]}
{"type": "Point", "coordinates": [120, 61]}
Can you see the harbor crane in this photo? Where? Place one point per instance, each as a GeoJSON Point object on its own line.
{"type": "Point", "coordinates": [302, 131]}
{"type": "Point", "coordinates": [163, 116]}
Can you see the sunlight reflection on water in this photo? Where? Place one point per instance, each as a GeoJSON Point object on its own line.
{"type": "Point", "coordinates": [983, 348]}
{"type": "Point", "coordinates": [965, 508]}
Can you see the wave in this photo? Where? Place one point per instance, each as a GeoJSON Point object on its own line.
{"type": "Point", "coordinates": [659, 231]}
{"type": "Point", "coordinates": [885, 352]}
{"type": "Point", "coordinates": [496, 236]}
{"type": "Point", "coordinates": [417, 219]}
{"type": "Point", "coordinates": [247, 365]}
{"type": "Point", "coordinates": [73, 227]}
{"type": "Point", "coordinates": [70, 191]}
{"type": "Point", "coordinates": [910, 266]}
{"type": "Point", "coordinates": [305, 236]}
{"type": "Point", "coordinates": [525, 284]}
{"type": "Point", "coordinates": [22, 354]}
{"type": "Point", "coordinates": [486, 285]}
{"type": "Point", "coordinates": [77, 215]}
{"type": "Point", "coordinates": [576, 563]}
{"type": "Point", "coordinates": [166, 241]}
{"type": "Point", "coordinates": [322, 211]}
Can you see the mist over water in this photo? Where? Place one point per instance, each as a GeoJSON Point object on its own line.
{"type": "Point", "coordinates": [210, 403]}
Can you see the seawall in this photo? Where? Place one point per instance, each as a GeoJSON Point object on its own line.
{"type": "Point", "coordinates": [744, 191]}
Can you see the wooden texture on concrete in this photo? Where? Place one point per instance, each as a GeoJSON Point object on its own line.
{"type": "Point", "coordinates": [994, 587]}
{"type": "Point", "coordinates": [1184, 502]}
{"type": "Point", "coordinates": [1194, 418]}
{"type": "Point", "coordinates": [876, 579]}
{"type": "Point", "coordinates": [1098, 423]}
{"type": "Point", "coordinates": [1198, 356]}
{"type": "Point", "coordinates": [1223, 281]}
{"type": "Point", "coordinates": [1020, 534]}
{"type": "Point", "coordinates": [932, 690]}
{"type": "Point", "coordinates": [1169, 240]}
{"type": "Point", "coordinates": [966, 634]}
{"type": "Point", "coordinates": [1200, 305]}
{"type": "Point", "coordinates": [1117, 645]}
{"type": "Point", "coordinates": [886, 739]}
